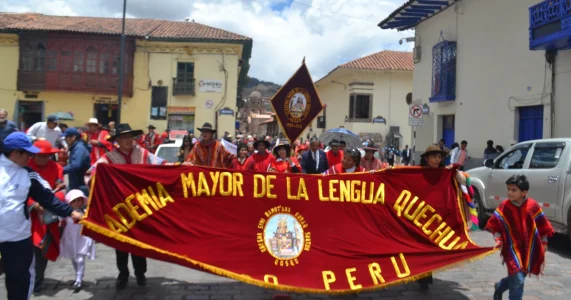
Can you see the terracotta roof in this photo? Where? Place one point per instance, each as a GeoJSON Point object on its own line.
{"type": "Point", "coordinates": [384, 60]}
{"type": "Point", "coordinates": [153, 29]}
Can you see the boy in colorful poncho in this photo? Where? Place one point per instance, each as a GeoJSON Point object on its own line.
{"type": "Point", "coordinates": [521, 231]}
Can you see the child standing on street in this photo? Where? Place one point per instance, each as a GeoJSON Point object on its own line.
{"type": "Point", "coordinates": [73, 245]}
{"type": "Point", "coordinates": [521, 230]}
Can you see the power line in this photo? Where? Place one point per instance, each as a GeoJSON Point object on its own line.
{"type": "Point", "coordinates": [331, 12]}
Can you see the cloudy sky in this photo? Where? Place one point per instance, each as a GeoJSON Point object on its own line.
{"type": "Point", "coordinates": [326, 32]}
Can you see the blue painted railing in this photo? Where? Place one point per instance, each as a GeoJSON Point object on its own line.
{"type": "Point", "coordinates": [443, 72]}
{"type": "Point", "coordinates": [548, 11]}
{"type": "Point", "coordinates": [550, 25]}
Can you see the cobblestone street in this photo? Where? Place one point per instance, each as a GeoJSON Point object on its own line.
{"type": "Point", "coordinates": [170, 282]}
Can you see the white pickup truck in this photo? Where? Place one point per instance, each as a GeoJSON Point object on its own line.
{"type": "Point", "coordinates": [546, 164]}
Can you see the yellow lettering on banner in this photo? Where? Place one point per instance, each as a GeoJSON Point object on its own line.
{"type": "Point", "coordinates": [442, 243]}
{"type": "Point", "coordinates": [401, 202]}
{"type": "Point", "coordinates": [356, 192]}
{"type": "Point", "coordinates": [154, 197]}
{"type": "Point", "coordinates": [426, 227]}
{"type": "Point", "coordinates": [375, 271]}
{"type": "Point", "coordinates": [421, 216]}
{"type": "Point", "coordinates": [380, 196]}
{"type": "Point", "coordinates": [440, 232]}
{"type": "Point", "coordinates": [270, 187]}
{"type": "Point", "coordinates": [203, 188]}
{"type": "Point", "coordinates": [121, 206]}
{"type": "Point", "coordinates": [400, 274]}
{"type": "Point", "coordinates": [320, 187]}
{"type": "Point", "coordinates": [352, 279]}
{"type": "Point", "coordinates": [288, 189]}
{"type": "Point", "coordinates": [163, 194]}
{"type": "Point", "coordinates": [462, 245]}
{"type": "Point", "coordinates": [237, 186]}
{"type": "Point", "coordinates": [114, 224]}
{"type": "Point", "coordinates": [225, 183]}
{"type": "Point", "coordinates": [332, 189]}
{"type": "Point", "coordinates": [302, 190]}
{"type": "Point", "coordinates": [328, 278]}
{"type": "Point", "coordinates": [273, 278]}
{"type": "Point", "coordinates": [259, 182]}
{"type": "Point", "coordinates": [134, 208]}
{"type": "Point", "coordinates": [344, 191]}
{"type": "Point", "coordinates": [418, 208]}
{"type": "Point", "coordinates": [187, 182]}
{"type": "Point", "coordinates": [214, 176]}
{"type": "Point", "coordinates": [145, 200]}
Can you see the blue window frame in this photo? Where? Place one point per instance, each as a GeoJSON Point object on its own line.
{"type": "Point", "coordinates": [443, 72]}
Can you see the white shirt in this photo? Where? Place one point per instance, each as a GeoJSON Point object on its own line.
{"type": "Point", "coordinates": [350, 170]}
{"type": "Point", "coordinates": [14, 187]}
{"type": "Point", "coordinates": [316, 158]}
{"type": "Point", "coordinates": [41, 130]}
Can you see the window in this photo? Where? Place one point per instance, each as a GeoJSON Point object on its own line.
{"type": "Point", "coordinates": [78, 61]}
{"type": "Point", "coordinates": [91, 63]}
{"type": "Point", "coordinates": [443, 72]}
{"type": "Point", "coordinates": [51, 60]}
{"type": "Point", "coordinates": [27, 57]}
{"type": "Point", "coordinates": [184, 82]}
{"type": "Point", "coordinates": [546, 155]}
{"type": "Point", "coordinates": [33, 57]}
{"type": "Point", "coordinates": [513, 159]}
{"type": "Point", "coordinates": [360, 107]}
{"type": "Point", "coordinates": [185, 71]}
{"type": "Point", "coordinates": [104, 63]}
{"type": "Point", "coordinates": [66, 61]}
{"type": "Point", "coordinates": [159, 96]}
{"type": "Point", "coordinates": [40, 57]}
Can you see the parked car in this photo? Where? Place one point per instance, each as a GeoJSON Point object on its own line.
{"type": "Point", "coordinates": [546, 164]}
{"type": "Point", "coordinates": [169, 151]}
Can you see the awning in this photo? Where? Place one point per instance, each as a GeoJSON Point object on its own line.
{"type": "Point", "coordinates": [413, 12]}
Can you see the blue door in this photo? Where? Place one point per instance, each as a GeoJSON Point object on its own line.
{"type": "Point", "coordinates": [448, 130]}
{"type": "Point", "coordinates": [530, 123]}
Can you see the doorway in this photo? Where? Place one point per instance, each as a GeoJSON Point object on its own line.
{"type": "Point", "coordinates": [105, 113]}
{"type": "Point", "coordinates": [448, 130]}
{"type": "Point", "coordinates": [530, 123]}
{"type": "Point", "coordinates": [29, 113]}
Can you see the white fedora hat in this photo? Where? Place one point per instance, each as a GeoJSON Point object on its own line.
{"type": "Point", "coordinates": [93, 121]}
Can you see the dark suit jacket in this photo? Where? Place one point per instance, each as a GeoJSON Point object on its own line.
{"type": "Point", "coordinates": [406, 153]}
{"type": "Point", "coordinates": [308, 164]}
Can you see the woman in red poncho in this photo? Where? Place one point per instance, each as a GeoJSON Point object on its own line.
{"type": "Point", "coordinates": [46, 238]}
{"type": "Point", "coordinates": [239, 163]}
{"type": "Point", "coordinates": [261, 159]}
{"type": "Point", "coordinates": [350, 163]}
{"type": "Point", "coordinates": [284, 163]}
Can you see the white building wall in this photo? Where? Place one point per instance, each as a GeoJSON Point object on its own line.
{"type": "Point", "coordinates": [389, 92]}
{"type": "Point", "coordinates": [495, 73]}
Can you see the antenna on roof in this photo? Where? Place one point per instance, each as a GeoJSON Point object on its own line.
{"type": "Point", "coordinates": [187, 19]}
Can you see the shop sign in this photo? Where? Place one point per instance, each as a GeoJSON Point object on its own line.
{"type": "Point", "coordinates": [210, 86]}
{"type": "Point", "coordinates": [226, 111]}
{"type": "Point", "coordinates": [180, 110]}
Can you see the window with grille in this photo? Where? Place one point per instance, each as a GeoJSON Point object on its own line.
{"type": "Point", "coordinates": [184, 81]}
{"type": "Point", "coordinates": [360, 107]}
{"type": "Point", "coordinates": [443, 72]}
{"type": "Point", "coordinates": [91, 63]}
{"type": "Point", "coordinates": [159, 95]}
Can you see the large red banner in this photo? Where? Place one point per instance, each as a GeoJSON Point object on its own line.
{"type": "Point", "coordinates": [294, 232]}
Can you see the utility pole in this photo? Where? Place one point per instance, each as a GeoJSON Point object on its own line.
{"type": "Point", "coordinates": [121, 65]}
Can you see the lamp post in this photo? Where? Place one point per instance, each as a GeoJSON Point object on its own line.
{"type": "Point", "coordinates": [121, 64]}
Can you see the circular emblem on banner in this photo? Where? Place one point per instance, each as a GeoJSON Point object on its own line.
{"type": "Point", "coordinates": [297, 105]}
{"type": "Point", "coordinates": [284, 236]}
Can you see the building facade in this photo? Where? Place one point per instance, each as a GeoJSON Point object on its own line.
{"type": "Point", "coordinates": [257, 116]}
{"type": "Point", "coordinates": [489, 70]}
{"type": "Point", "coordinates": [177, 75]}
{"type": "Point", "coordinates": [368, 97]}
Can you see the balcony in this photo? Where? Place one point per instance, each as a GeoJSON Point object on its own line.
{"type": "Point", "coordinates": [182, 86]}
{"type": "Point", "coordinates": [550, 25]}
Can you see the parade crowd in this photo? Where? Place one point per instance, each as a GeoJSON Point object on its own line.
{"type": "Point", "coordinates": [36, 203]}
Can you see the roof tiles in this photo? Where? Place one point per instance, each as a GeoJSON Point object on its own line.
{"type": "Point", "coordinates": [384, 60]}
{"type": "Point", "coordinates": [153, 29]}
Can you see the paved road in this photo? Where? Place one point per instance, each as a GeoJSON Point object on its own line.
{"type": "Point", "coordinates": [170, 282]}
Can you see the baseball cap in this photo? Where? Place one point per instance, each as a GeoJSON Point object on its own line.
{"type": "Point", "coordinates": [19, 141]}
{"type": "Point", "coordinates": [71, 131]}
{"type": "Point", "coordinates": [53, 118]}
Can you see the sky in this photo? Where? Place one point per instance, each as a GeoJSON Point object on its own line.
{"type": "Point", "coordinates": [326, 32]}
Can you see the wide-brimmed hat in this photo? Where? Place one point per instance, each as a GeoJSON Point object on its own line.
{"type": "Point", "coordinates": [151, 127]}
{"type": "Point", "coordinates": [207, 127]}
{"type": "Point", "coordinates": [93, 121]}
{"type": "Point", "coordinates": [281, 143]}
{"type": "Point", "coordinates": [433, 149]}
{"type": "Point", "coordinates": [370, 147]}
{"type": "Point", "coordinates": [256, 143]}
{"type": "Point", "coordinates": [45, 147]}
{"type": "Point", "coordinates": [124, 129]}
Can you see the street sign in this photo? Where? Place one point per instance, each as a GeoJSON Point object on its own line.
{"type": "Point", "coordinates": [415, 115]}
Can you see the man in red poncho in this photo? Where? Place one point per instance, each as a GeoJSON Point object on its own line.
{"type": "Point", "coordinates": [262, 159]}
{"type": "Point", "coordinates": [521, 231]}
{"type": "Point", "coordinates": [209, 152]}
{"type": "Point", "coordinates": [98, 140]}
{"type": "Point", "coordinates": [350, 164]}
{"type": "Point", "coordinates": [45, 237]}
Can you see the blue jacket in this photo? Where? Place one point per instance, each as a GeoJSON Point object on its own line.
{"type": "Point", "coordinates": [79, 163]}
{"type": "Point", "coordinates": [308, 164]}
{"type": "Point", "coordinates": [8, 128]}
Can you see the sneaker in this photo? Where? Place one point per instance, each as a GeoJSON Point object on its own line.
{"type": "Point", "coordinates": [77, 286]}
{"type": "Point", "coordinates": [497, 294]}
{"type": "Point", "coordinates": [141, 280]}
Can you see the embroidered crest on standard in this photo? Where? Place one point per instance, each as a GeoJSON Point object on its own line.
{"type": "Point", "coordinates": [297, 105]}
{"type": "Point", "coordinates": [284, 236]}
